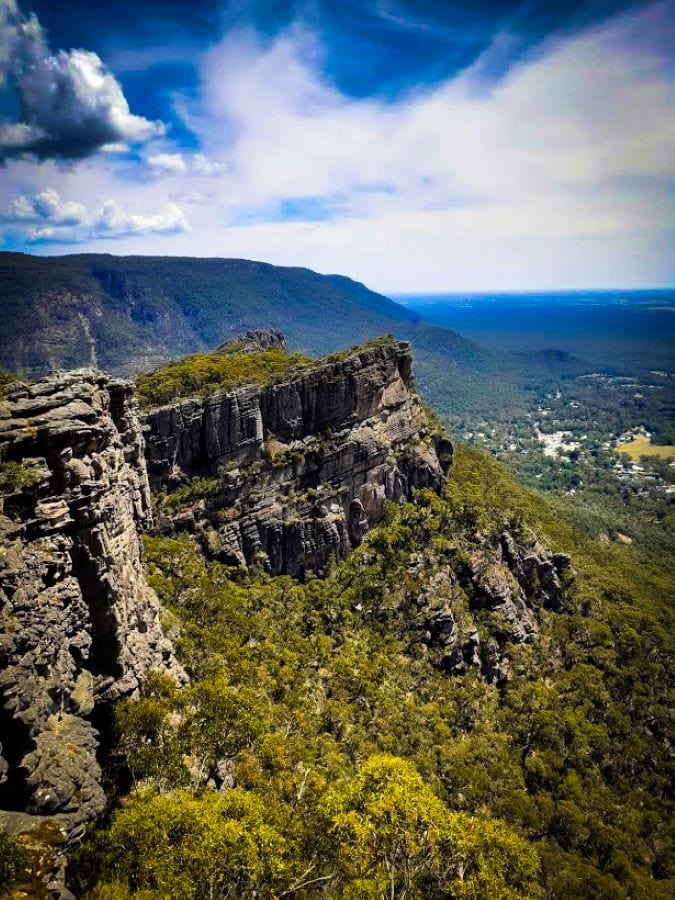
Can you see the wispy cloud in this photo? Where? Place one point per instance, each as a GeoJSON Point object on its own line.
{"type": "Point", "coordinates": [163, 164]}
{"type": "Point", "coordinates": [554, 174]}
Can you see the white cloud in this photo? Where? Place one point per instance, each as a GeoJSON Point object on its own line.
{"type": "Point", "coordinates": [552, 125]}
{"type": "Point", "coordinates": [71, 105]}
{"type": "Point", "coordinates": [161, 164]}
{"type": "Point", "coordinates": [49, 235]}
{"type": "Point", "coordinates": [556, 176]}
{"type": "Point", "coordinates": [54, 220]}
{"type": "Point", "coordinates": [166, 164]}
{"type": "Point", "coordinates": [114, 221]}
{"type": "Point", "coordinates": [47, 206]}
{"type": "Point", "coordinates": [461, 183]}
{"type": "Point", "coordinates": [201, 165]}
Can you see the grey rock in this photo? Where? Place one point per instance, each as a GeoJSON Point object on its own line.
{"type": "Point", "coordinates": [358, 522]}
{"type": "Point", "coordinates": [513, 578]}
{"type": "Point", "coordinates": [46, 839]}
{"type": "Point", "coordinates": [259, 339]}
{"type": "Point", "coordinates": [349, 435]}
{"type": "Point", "coordinates": [79, 626]}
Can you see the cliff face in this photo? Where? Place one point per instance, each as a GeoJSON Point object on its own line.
{"type": "Point", "coordinates": [288, 476]}
{"type": "Point", "coordinates": [294, 474]}
{"type": "Point", "coordinates": [79, 625]}
{"type": "Point", "coordinates": [505, 579]}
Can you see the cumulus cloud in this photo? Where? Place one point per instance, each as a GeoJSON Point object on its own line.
{"type": "Point", "coordinates": [162, 164]}
{"type": "Point", "coordinates": [70, 104]}
{"type": "Point", "coordinates": [54, 220]}
{"type": "Point", "coordinates": [113, 220]}
{"type": "Point", "coordinates": [48, 207]}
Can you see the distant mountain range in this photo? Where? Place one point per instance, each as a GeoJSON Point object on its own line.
{"type": "Point", "coordinates": [130, 314]}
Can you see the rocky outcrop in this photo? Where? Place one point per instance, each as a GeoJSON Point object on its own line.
{"type": "Point", "coordinates": [79, 625]}
{"type": "Point", "coordinates": [296, 472]}
{"type": "Point", "coordinates": [496, 589]}
{"type": "Point", "coordinates": [251, 341]}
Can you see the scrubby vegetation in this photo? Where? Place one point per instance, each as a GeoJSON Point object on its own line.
{"type": "Point", "coordinates": [14, 860]}
{"type": "Point", "coordinates": [174, 501]}
{"type": "Point", "coordinates": [229, 368]}
{"type": "Point", "coordinates": [319, 751]}
{"type": "Point", "coordinates": [5, 379]}
{"type": "Point", "coordinates": [205, 372]}
{"type": "Point", "coordinates": [14, 475]}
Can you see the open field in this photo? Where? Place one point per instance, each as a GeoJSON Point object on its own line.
{"type": "Point", "coordinates": [642, 446]}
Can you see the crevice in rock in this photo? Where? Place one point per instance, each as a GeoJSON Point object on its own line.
{"type": "Point", "coordinates": [105, 652]}
{"type": "Point", "coordinates": [15, 743]}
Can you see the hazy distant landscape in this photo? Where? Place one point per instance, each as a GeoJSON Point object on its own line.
{"type": "Point", "coordinates": [597, 433]}
{"type": "Point", "coordinates": [626, 329]}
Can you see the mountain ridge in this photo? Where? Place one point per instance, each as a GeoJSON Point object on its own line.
{"type": "Point", "coordinates": [132, 314]}
{"type": "Point", "coordinates": [433, 654]}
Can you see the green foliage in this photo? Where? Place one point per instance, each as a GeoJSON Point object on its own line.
{"type": "Point", "coordinates": [181, 845]}
{"type": "Point", "coordinates": [189, 493]}
{"type": "Point", "coordinates": [341, 355]}
{"type": "Point", "coordinates": [206, 372]}
{"type": "Point", "coordinates": [392, 836]}
{"type": "Point", "coordinates": [14, 861]}
{"type": "Point", "coordinates": [317, 705]}
{"type": "Point", "coordinates": [5, 379]}
{"type": "Point", "coordinates": [17, 475]}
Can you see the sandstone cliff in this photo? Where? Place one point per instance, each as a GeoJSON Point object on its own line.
{"type": "Point", "coordinates": [78, 624]}
{"type": "Point", "coordinates": [287, 475]}
{"type": "Point", "coordinates": [471, 609]}
{"type": "Point", "coordinates": [293, 474]}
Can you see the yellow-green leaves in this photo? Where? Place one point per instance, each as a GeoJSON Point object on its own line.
{"type": "Point", "coordinates": [203, 372]}
{"type": "Point", "coordinates": [393, 837]}
{"type": "Point", "coordinates": [182, 845]}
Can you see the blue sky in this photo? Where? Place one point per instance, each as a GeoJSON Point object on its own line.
{"type": "Point", "coordinates": [418, 146]}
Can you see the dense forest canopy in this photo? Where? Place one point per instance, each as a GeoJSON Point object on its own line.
{"type": "Point", "coordinates": [319, 750]}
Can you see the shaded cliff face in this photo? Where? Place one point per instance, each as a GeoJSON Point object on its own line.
{"type": "Point", "coordinates": [79, 625]}
{"type": "Point", "coordinates": [470, 610]}
{"type": "Point", "coordinates": [292, 475]}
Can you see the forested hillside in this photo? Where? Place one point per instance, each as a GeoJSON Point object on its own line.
{"type": "Point", "coordinates": [356, 767]}
{"type": "Point", "coordinates": [130, 314]}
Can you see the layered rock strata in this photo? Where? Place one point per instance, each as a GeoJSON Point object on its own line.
{"type": "Point", "coordinates": [501, 584]}
{"type": "Point", "coordinates": [292, 475]}
{"type": "Point", "coordinates": [79, 625]}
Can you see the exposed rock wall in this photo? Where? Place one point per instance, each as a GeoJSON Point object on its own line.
{"type": "Point", "coordinates": [301, 469]}
{"type": "Point", "coordinates": [79, 625]}
{"type": "Point", "coordinates": [290, 476]}
{"type": "Point", "coordinates": [505, 579]}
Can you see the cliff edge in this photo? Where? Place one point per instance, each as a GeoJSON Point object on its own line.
{"type": "Point", "coordinates": [291, 475]}
{"type": "Point", "coordinates": [79, 626]}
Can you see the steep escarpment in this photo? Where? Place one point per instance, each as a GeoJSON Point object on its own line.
{"type": "Point", "coordinates": [131, 314]}
{"type": "Point", "coordinates": [136, 312]}
{"type": "Point", "coordinates": [450, 690]}
{"type": "Point", "coordinates": [292, 474]}
{"type": "Point", "coordinates": [79, 626]}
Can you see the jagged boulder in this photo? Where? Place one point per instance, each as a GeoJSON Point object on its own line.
{"type": "Point", "coordinates": [509, 579]}
{"type": "Point", "coordinates": [258, 339]}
